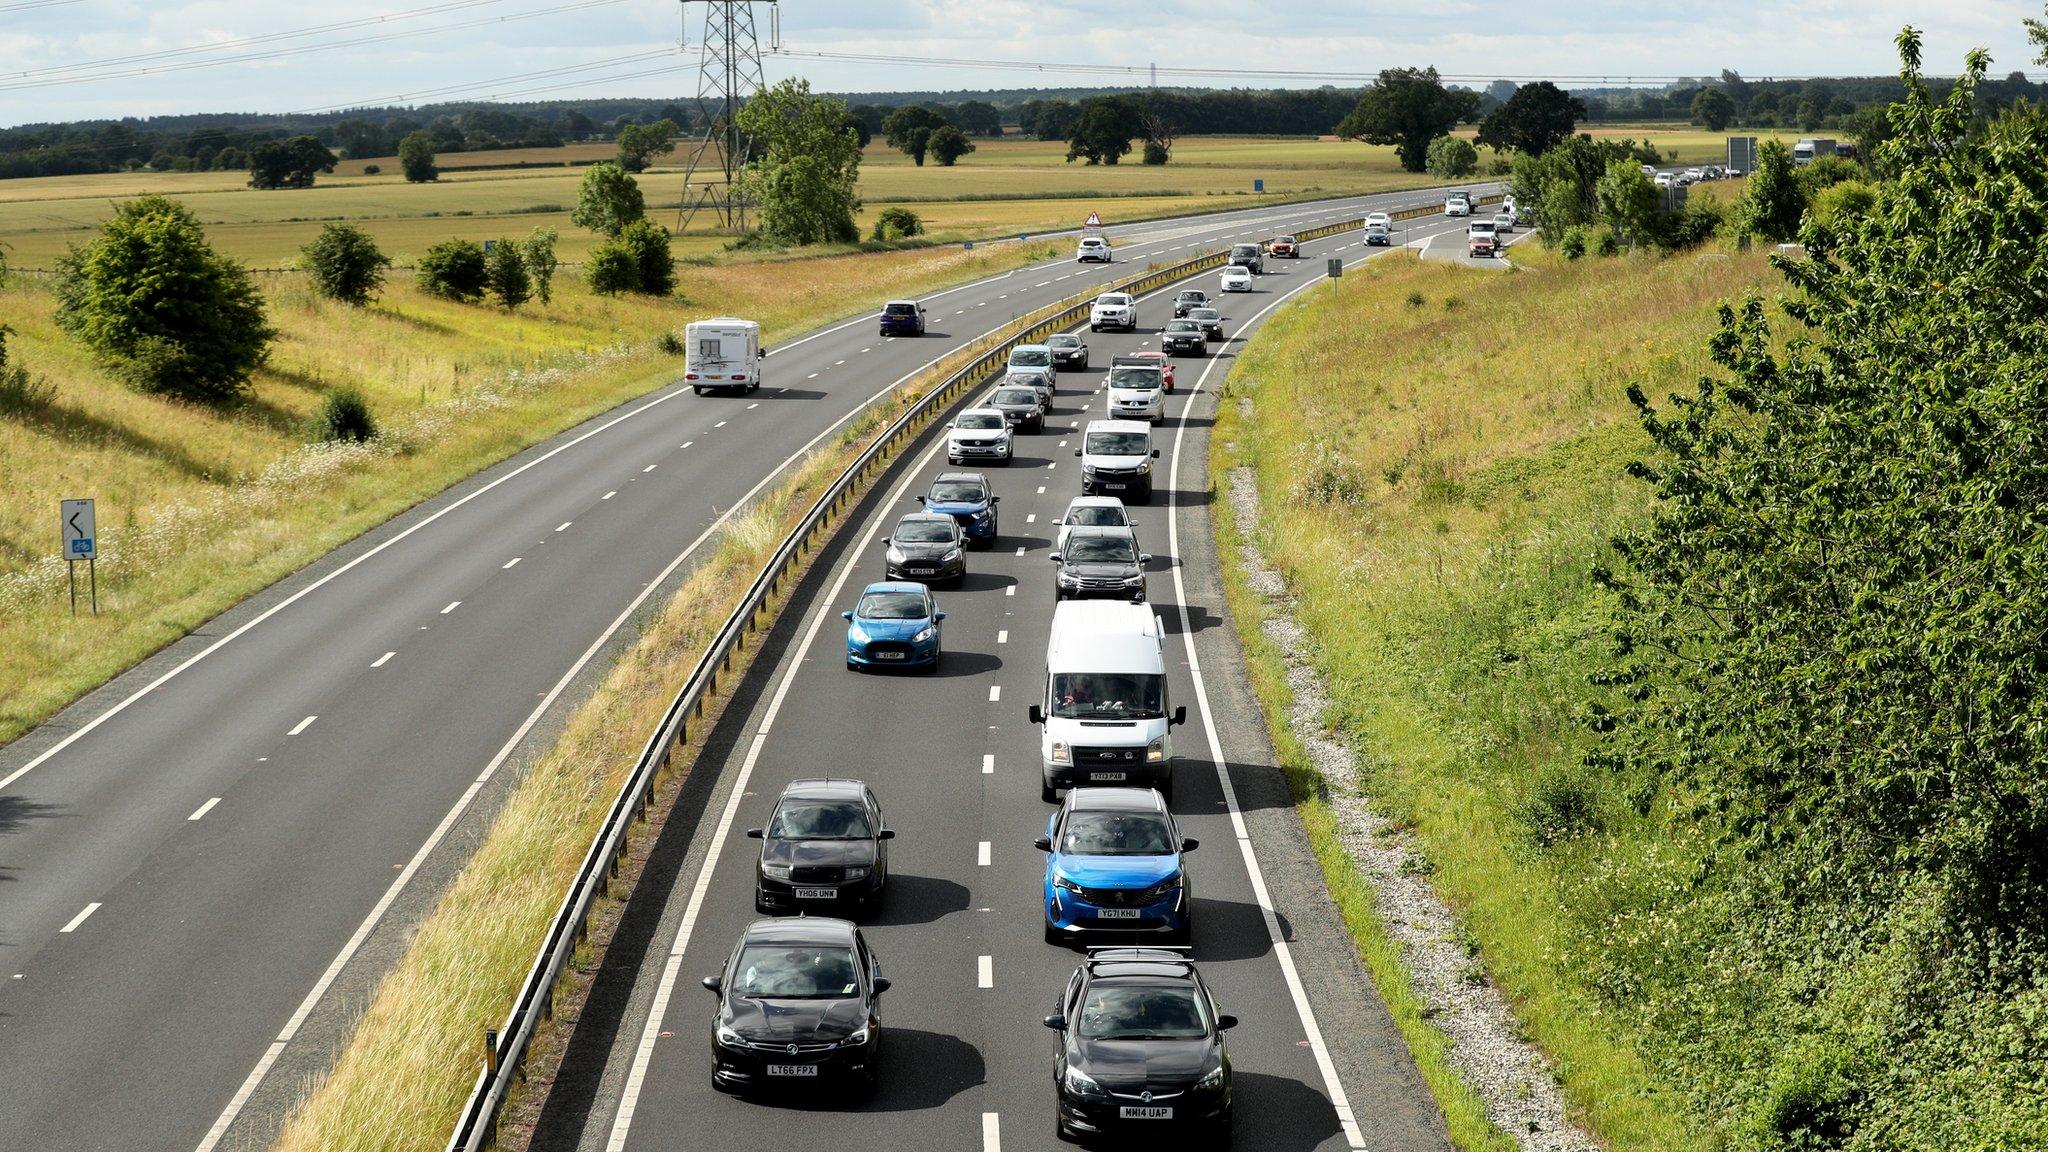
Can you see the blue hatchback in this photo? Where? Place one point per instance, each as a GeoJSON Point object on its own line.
{"type": "Point", "coordinates": [895, 625]}
{"type": "Point", "coordinates": [1113, 867]}
{"type": "Point", "coordinates": [966, 497]}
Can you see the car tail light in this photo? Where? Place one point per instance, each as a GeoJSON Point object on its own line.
{"type": "Point", "coordinates": [741, 376]}
{"type": "Point", "coordinates": [689, 375]}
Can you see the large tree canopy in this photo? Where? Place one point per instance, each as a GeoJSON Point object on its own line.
{"type": "Point", "coordinates": [806, 164]}
{"type": "Point", "coordinates": [1533, 120]}
{"type": "Point", "coordinates": [1408, 108]}
{"type": "Point", "coordinates": [1103, 132]}
{"type": "Point", "coordinates": [909, 130]}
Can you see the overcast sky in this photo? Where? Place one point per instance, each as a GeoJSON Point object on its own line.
{"type": "Point", "coordinates": [1335, 38]}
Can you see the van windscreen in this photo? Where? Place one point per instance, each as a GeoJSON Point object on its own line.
{"type": "Point", "coordinates": [1108, 695]}
{"type": "Point", "coordinates": [1118, 443]}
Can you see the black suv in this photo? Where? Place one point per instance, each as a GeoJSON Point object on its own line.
{"type": "Point", "coordinates": [1189, 298]}
{"type": "Point", "coordinates": [1248, 256]}
{"type": "Point", "coordinates": [825, 848]}
{"type": "Point", "coordinates": [797, 1005]}
{"type": "Point", "coordinates": [1141, 1049]}
{"type": "Point", "coordinates": [1102, 562]}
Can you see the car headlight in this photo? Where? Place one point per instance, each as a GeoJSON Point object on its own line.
{"type": "Point", "coordinates": [1067, 577]}
{"type": "Point", "coordinates": [1211, 1080]}
{"type": "Point", "coordinates": [730, 1038]}
{"type": "Point", "coordinates": [951, 555]}
{"type": "Point", "coordinates": [1081, 1084]}
{"type": "Point", "coordinates": [856, 873]}
{"type": "Point", "coordinates": [1134, 581]}
{"type": "Point", "coordinates": [860, 1037]}
{"type": "Point", "coordinates": [776, 871]}
{"type": "Point", "coordinates": [1065, 885]}
{"type": "Point", "coordinates": [1156, 750]}
{"type": "Point", "coordinates": [924, 634]}
{"type": "Point", "coordinates": [894, 554]}
{"type": "Point", "coordinates": [1060, 753]}
{"type": "Point", "coordinates": [1087, 469]}
{"type": "Point", "coordinates": [1161, 890]}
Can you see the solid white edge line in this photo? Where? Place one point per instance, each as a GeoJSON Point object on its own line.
{"type": "Point", "coordinates": [80, 918]}
{"type": "Point", "coordinates": [203, 809]}
{"type": "Point", "coordinates": [643, 1055]}
{"type": "Point", "coordinates": [1332, 1084]}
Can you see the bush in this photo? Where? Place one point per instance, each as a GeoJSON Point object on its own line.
{"type": "Point", "coordinates": [1839, 206]}
{"type": "Point", "coordinates": [948, 145]}
{"type": "Point", "coordinates": [896, 223]}
{"type": "Point", "coordinates": [1574, 243]}
{"type": "Point", "coordinates": [454, 270]}
{"type": "Point", "coordinates": [345, 264]}
{"type": "Point", "coordinates": [1156, 153]}
{"type": "Point", "coordinates": [612, 269]}
{"type": "Point", "coordinates": [21, 393]}
{"type": "Point", "coordinates": [1561, 805]}
{"type": "Point", "coordinates": [538, 251]}
{"type": "Point", "coordinates": [507, 275]}
{"type": "Point", "coordinates": [669, 344]}
{"type": "Point", "coordinates": [1450, 158]}
{"type": "Point", "coordinates": [160, 308]}
{"type": "Point", "coordinates": [416, 157]}
{"type": "Point", "coordinates": [345, 416]}
{"type": "Point", "coordinates": [373, 169]}
{"type": "Point", "coordinates": [1606, 243]}
{"type": "Point", "coordinates": [656, 265]}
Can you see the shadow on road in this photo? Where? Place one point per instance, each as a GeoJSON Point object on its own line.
{"type": "Point", "coordinates": [919, 900]}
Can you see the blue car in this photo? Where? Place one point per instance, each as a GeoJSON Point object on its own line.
{"type": "Point", "coordinates": [895, 625]}
{"type": "Point", "coordinates": [1113, 867]}
{"type": "Point", "coordinates": [966, 497]}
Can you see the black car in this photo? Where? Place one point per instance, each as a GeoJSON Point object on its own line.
{"type": "Point", "coordinates": [1184, 336]}
{"type": "Point", "coordinates": [1100, 562]}
{"type": "Point", "coordinates": [1211, 321]}
{"type": "Point", "coordinates": [1248, 256]}
{"type": "Point", "coordinates": [797, 1004]}
{"type": "Point", "coordinates": [1036, 380]}
{"type": "Point", "coordinates": [1189, 298]}
{"type": "Point", "coordinates": [1019, 405]}
{"type": "Point", "coordinates": [926, 547]}
{"type": "Point", "coordinates": [902, 318]}
{"type": "Point", "coordinates": [1068, 350]}
{"type": "Point", "coordinates": [825, 848]}
{"type": "Point", "coordinates": [1141, 1050]}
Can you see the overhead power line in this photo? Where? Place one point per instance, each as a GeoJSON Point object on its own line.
{"type": "Point", "coordinates": [36, 4]}
{"type": "Point", "coordinates": [494, 81]}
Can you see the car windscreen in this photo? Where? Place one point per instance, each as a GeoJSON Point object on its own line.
{"type": "Point", "coordinates": [1284, 240]}
{"type": "Point", "coordinates": [1194, 297]}
{"type": "Point", "coordinates": [1117, 834]}
{"type": "Point", "coordinates": [1014, 398]}
{"type": "Point", "coordinates": [1031, 357]}
{"type": "Point", "coordinates": [1100, 550]}
{"type": "Point", "coordinates": [1116, 299]}
{"type": "Point", "coordinates": [1091, 517]}
{"type": "Point", "coordinates": [1025, 379]}
{"type": "Point", "coordinates": [795, 972]}
{"type": "Point", "coordinates": [1108, 695]}
{"type": "Point", "coordinates": [1184, 326]}
{"type": "Point", "coordinates": [1064, 342]}
{"type": "Point", "coordinates": [957, 492]}
{"type": "Point", "coordinates": [901, 309]}
{"type": "Point", "coordinates": [1118, 443]}
{"type": "Point", "coordinates": [893, 606]}
{"type": "Point", "coordinates": [978, 420]}
{"type": "Point", "coordinates": [820, 820]}
{"type": "Point", "coordinates": [1205, 314]}
{"type": "Point", "coordinates": [1134, 378]}
{"type": "Point", "coordinates": [1142, 1012]}
{"type": "Point", "coordinates": [1245, 250]}
{"type": "Point", "coordinates": [923, 532]}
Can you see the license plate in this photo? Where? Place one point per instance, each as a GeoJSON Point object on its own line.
{"type": "Point", "coordinates": [1144, 1112]}
{"type": "Point", "coordinates": [1114, 487]}
{"type": "Point", "coordinates": [922, 571]}
{"type": "Point", "coordinates": [817, 893]}
{"type": "Point", "coordinates": [888, 655]}
{"type": "Point", "coordinates": [1107, 777]}
{"type": "Point", "coordinates": [1116, 914]}
{"type": "Point", "coordinates": [808, 1070]}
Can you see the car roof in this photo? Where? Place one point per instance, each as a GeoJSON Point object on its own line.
{"type": "Point", "coordinates": [1120, 531]}
{"type": "Point", "coordinates": [1184, 321]}
{"type": "Point", "coordinates": [1218, 311]}
{"type": "Point", "coordinates": [1025, 389]}
{"type": "Point", "coordinates": [975, 476]}
{"type": "Point", "coordinates": [827, 788]}
{"type": "Point", "coordinates": [1095, 502]}
{"type": "Point", "coordinates": [1061, 336]}
{"type": "Point", "coordinates": [1118, 426]}
{"type": "Point", "coordinates": [981, 412]}
{"type": "Point", "coordinates": [940, 517]}
{"type": "Point", "coordinates": [1016, 348]}
{"type": "Point", "coordinates": [1107, 799]}
{"type": "Point", "coordinates": [901, 585]}
{"type": "Point", "coordinates": [893, 303]}
{"type": "Point", "coordinates": [801, 930]}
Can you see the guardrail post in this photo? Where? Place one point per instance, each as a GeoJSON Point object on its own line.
{"type": "Point", "coordinates": [491, 1050]}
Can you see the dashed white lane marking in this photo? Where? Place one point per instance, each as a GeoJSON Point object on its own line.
{"type": "Point", "coordinates": [1041, 489]}
{"type": "Point", "coordinates": [452, 606]}
{"type": "Point", "coordinates": [564, 525]}
{"type": "Point", "coordinates": [754, 405]}
{"type": "Point", "coordinates": [687, 443]}
{"type": "Point", "coordinates": [985, 971]}
{"type": "Point", "coordinates": [649, 468]}
{"type": "Point", "coordinates": [995, 693]}
{"type": "Point", "coordinates": [1020, 549]}
{"type": "Point", "coordinates": [869, 348]}
{"type": "Point", "coordinates": [1010, 591]}
{"type": "Point", "coordinates": [837, 363]}
{"type": "Point", "coordinates": [1063, 443]}
{"type": "Point", "coordinates": [204, 809]}
{"type": "Point", "coordinates": [812, 376]}
{"type": "Point", "coordinates": [302, 725]}
{"type": "Point", "coordinates": [1041, 283]}
{"type": "Point", "coordinates": [1031, 518]}
{"type": "Point", "coordinates": [509, 563]}
{"type": "Point", "coordinates": [380, 661]}
{"type": "Point", "coordinates": [1003, 636]}
{"type": "Point", "coordinates": [988, 764]}
{"type": "Point", "coordinates": [80, 918]}
{"type": "Point", "coordinates": [609, 495]}
{"type": "Point", "coordinates": [1051, 466]}
{"type": "Point", "coordinates": [720, 424]}
{"type": "Point", "coordinates": [991, 1132]}
{"type": "Point", "coordinates": [982, 859]}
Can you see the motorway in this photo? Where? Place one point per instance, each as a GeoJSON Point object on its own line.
{"type": "Point", "coordinates": [206, 864]}
{"type": "Point", "coordinates": [966, 1062]}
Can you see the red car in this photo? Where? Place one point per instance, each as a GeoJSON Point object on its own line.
{"type": "Point", "coordinates": [1285, 246]}
{"type": "Point", "coordinates": [1164, 362]}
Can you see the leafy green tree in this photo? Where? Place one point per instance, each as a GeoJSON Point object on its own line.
{"type": "Point", "coordinates": [1408, 108]}
{"type": "Point", "coordinates": [160, 308]}
{"type": "Point", "coordinates": [345, 264]}
{"type": "Point", "coordinates": [979, 117]}
{"type": "Point", "coordinates": [1628, 200]}
{"type": "Point", "coordinates": [909, 130]}
{"type": "Point", "coordinates": [454, 270]}
{"type": "Point", "coordinates": [1773, 203]}
{"type": "Point", "coordinates": [230, 159]}
{"type": "Point", "coordinates": [806, 171]}
{"type": "Point", "coordinates": [538, 252]}
{"type": "Point", "coordinates": [506, 275]}
{"type": "Point", "coordinates": [948, 145]}
{"type": "Point", "coordinates": [1563, 182]}
{"type": "Point", "coordinates": [897, 222]}
{"type": "Point", "coordinates": [416, 158]}
{"type": "Point", "coordinates": [1713, 108]}
{"type": "Point", "coordinates": [859, 128]}
{"type": "Point", "coordinates": [1533, 120]}
{"type": "Point", "coordinates": [656, 264]}
{"type": "Point", "coordinates": [611, 269]}
{"type": "Point", "coordinates": [1048, 119]}
{"type": "Point", "coordinates": [1103, 131]}
{"type": "Point", "coordinates": [608, 200]}
{"type": "Point", "coordinates": [639, 144]}
{"type": "Point", "coordinates": [1452, 157]}
{"type": "Point", "coordinates": [289, 163]}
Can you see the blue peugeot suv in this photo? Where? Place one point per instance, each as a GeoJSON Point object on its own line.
{"type": "Point", "coordinates": [1113, 867]}
{"type": "Point", "coordinates": [965, 496]}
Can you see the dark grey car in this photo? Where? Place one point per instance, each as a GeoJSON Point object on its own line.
{"type": "Point", "coordinates": [825, 850]}
{"type": "Point", "coordinates": [926, 547]}
{"type": "Point", "coordinates": [1019, 405]}
{"type": "Point", "coordinates": [1210, 319]}
{"type": "Point", "coordinates": [1037, 380]}
{"type": "Point", "coordinates": [1189, 298]}
{"type": "Point", "coordinates": [1068, 350]}
{"type": "Point", "coordinates": [1100, 562]}
{"type": "Point", "coordinates": [1141, 1050]}
{"type": "Point", "coordinates": [1184, 336]}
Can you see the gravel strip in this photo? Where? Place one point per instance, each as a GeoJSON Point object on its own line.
{"type": "Point", "coordinates": [1516, 1084]}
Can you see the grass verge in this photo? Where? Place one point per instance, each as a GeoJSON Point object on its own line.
{"type": "Point", "coordinates": [1445, 450]}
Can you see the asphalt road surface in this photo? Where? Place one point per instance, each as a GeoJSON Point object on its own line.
{"type": "Point", "coordinates": [206, 865]}
{"type": "Point", "coordinates": [967, 1063]}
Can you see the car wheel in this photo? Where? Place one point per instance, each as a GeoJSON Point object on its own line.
{"type": "Point", "coordinates": [1059, 1131]}
{"type": "Point", "coordinates": [1049, 794]}
{"type": "Point", "coordinates": [930, 669]}
{"type": "Point", "coordinates": [697, 390]}
{"type": "Point", "coordinates": [1053, 937]}
{"type": "Point", "coordinates": [851, 666]}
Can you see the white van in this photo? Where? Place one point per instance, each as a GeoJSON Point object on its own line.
{"type": "Point", "coordinates": [723, 353]}
{"type": "Point", "coordinates": [1105, 713]}
{"type": "Point", "coordinates": [1116, 460]}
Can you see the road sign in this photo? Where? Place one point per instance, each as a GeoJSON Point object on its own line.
{"type": "Point", "coordinates": [1258, 185]}
{"type": "Point", "coordinates": [1742, 154]}
{"type": "Point", "coordinates": [1094, 220]}
{"type": "Point", "coordinates": [1336, 266]}
{"type": "Point", "coordinates": [81, 542]}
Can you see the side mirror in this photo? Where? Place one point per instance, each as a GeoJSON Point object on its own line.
{"type": "Point", "coordinates": [1057, 523]}
{"type": "Point", "coordinates": [1155, 453]}
{"type": "Point", "coordinates": [1077, 451]}
{"type": "Point", "coordinates": [847, 615]}
{"type": "Point", "coordinates": [881, 985]}
{"type": "Point", "coordinates": [1043, 843]}
{"type": "Point", "coordinates": [1225, 1023]}
{"type": "Point", "coordinates": [754, 834]}
{"type": "Point", "coordinates": [1037, 714]}
{"type": "Point", "coordinates": [1144, 557]}
{"type": "Point", "coordinates": [995, 500]}
{"type": "Point", "coordinates": [938, 615]}
{"type": "Point", "coordinates": [919, 499]}
{"type": "Point", "coordinates": [1056, 1022]}
{"type": "Point", "coordinates": [714, 983]}
{"type": "Point", "coordinates": [1180, 714]}
{"type": "Point", "coordinates": [1189, 844]}
{"type": "Point", "coordinates": [886, 834]}
{"type": "Point", "coordinates": [1054, 557]}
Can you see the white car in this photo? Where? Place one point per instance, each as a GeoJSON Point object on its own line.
{"type": "Point", "coordinates": [1650, 171]}
{"type": "Point", "coordinates": [1692, 176]}
{"type": "Point", "coordinates": [1378, 218]}
{"type": "Point", "coordinates": [1093, 248]}
{"type": "Point", "coordinates": [1092, 512]}
{"type": "Point", "coordinates": [1113, 310]}
{"type": "Point", "coordinates": [979, 434]}
{"type": "Point", "coordinates": [1236, 278]}
{"type": "Point", "coordinates": [1663, 179]}
{"type": "Point", "coordinates": [1504, 220]}
{"type": "Point", "coordinates": [1457, 206]}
